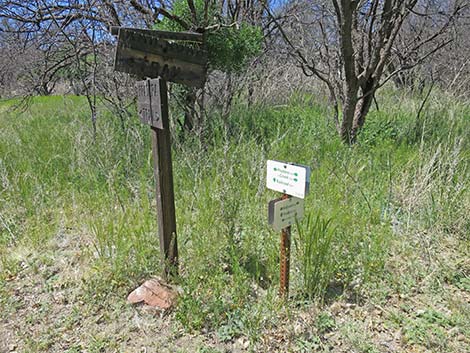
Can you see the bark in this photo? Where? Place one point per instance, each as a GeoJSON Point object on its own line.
{"type": "Point", "coordinates": [362, 108]}
{"type": "Point", "coordinates": [350, 86]}
{"type": "Point", "coordinates": [190, 114]}
{"type": "Point", "coordinates": [360, 113]}
{"type": "Point", "coordinates": [227, 104]}
{"type": "Point", "coordinates": [349, 108]}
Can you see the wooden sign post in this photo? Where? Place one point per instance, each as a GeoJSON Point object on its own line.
{"type": "Point", "coordinates": [163, 171]}
{"type": "Point", "coordinates": [155, 55]}
{"type": "Point", "coordinates": [291, 180]}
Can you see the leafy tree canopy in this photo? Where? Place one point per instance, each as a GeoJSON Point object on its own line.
{"type": "Point", "coordinates": [230, 45]}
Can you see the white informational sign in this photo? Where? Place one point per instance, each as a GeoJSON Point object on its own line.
{"type": "Point", "coordinates": [291, 179]}
{"type": "Point", "coordinates": [284, 213]}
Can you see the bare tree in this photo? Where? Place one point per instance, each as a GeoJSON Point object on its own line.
{"type": "Point", "coordinates": [350, 46]}
{"type": "Point", "coordinates": [79, 41]}
{"type": "Point", "coordinates": [68, 43]}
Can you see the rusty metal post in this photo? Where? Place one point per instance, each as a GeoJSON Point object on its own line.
{"type": "Point", "coordinates": [285, 259]}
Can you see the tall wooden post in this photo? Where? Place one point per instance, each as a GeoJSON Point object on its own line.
{"type": "Point", "coordinates": [166, 219]}
{"type": "Point", "coordinates": [151, 54]}
{"type": "Point", "coordinates": [285, 259]}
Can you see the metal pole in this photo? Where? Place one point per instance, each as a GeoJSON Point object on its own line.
{"type": "Point", "coordinates": [285, 259]}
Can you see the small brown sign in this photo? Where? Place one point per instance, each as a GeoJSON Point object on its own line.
{"type": "Point", "coordinates": [148, 102]}
{"type": "Point", "coordinates": [146, 55]}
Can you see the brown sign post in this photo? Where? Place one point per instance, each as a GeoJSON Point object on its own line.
{"type": "Point", "coordinates": [154, 55]}
{"type": "Point", "coordinates": [163, 172]}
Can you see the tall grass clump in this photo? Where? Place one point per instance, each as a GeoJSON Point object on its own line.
{"type": "Point", "coordinates": [35, 155]}
{"type": "Point", "coordinates": [125, 244]}
{"type": "Point", "coordinates": [434, 187]}
{"type": "Point", "coordinates": [434, 192]}
{"type": "Point", "coordinates": [316, 256]}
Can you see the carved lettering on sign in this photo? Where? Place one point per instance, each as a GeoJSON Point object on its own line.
{"type": "Point", "coordinates": [155, 103]}
{"type": "Point", "coordinates": [143, 102]}
{"type": "Point", "coordinates": [149, 56]}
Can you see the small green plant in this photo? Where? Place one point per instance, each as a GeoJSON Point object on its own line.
{"type": "Point", "coordinates": [325, 322]}
{"type": "Point", "coordinates": [463, 283]}
{"type": "Point", "coordinates": [427, 328]}
{"type": "Point", "coordinates": [358, 337]}
{"type": "Point", "coordinates": [315, 253]}
{"type": "Point", "coordinates": [311, 344]}
{"type": "Point", "coordinates": [208, 350]}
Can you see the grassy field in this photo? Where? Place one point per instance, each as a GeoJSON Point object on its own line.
{"type": "Point", "coordinates": [379, 264]}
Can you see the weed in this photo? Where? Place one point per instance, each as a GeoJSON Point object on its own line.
{"type": "Point", "coordinates": [208, 350]}
{"type": "Point", "coordinates": [312, 344]}
{"type": "Point", "coordinates": [325, 322]}
{"type": "Point", "coordinates": [427, 329]}
{"type": "Point", "coordinates": [315, 254]}
{"type": "Point", "coordinates": [358, 338]}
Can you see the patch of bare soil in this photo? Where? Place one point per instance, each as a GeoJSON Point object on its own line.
{"type": "Point", "coordinates": [44, 309]}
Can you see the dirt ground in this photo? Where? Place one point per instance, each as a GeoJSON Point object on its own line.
{"type": "Point", "coordinates": [46, 308]}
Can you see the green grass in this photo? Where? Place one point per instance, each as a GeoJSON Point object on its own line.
{"type": "Point", "coordinates": [394, 200]}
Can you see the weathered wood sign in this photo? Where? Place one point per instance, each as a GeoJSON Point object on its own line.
{"type": "Point", "coordinates": [146, 54]}
{"type": "Point", "coordinates": [155, 57]}
{"type": "Point", "coordinates": [283, 213]}
{"type": "Point", "coordinates": [149, 103]}
{"type": "Point", "coordinates": [167, 35]}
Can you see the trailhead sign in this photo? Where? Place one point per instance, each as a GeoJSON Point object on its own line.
{"type": "Point", "coordinates": [150, 53]}
{"type": "Point", "coordinates": [156, 57]}
{"type": "Point", "coordinates": [290, 179]}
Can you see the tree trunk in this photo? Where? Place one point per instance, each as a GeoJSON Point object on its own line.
{"type": "Point", "coordinates": [349, 108]}
{"type": "Point", "coordinates": [355, 111]}
{"type": "Point", "coordinates": [360, 113]}
{"type": "Point", "coordinates": [362, 108]}
{"type": "Point", "coordinates": [190, 118]}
